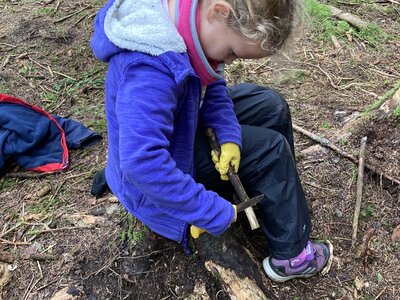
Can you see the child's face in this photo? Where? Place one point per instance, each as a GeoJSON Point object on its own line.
{"type": "Point", "coordinates": [220, 43]}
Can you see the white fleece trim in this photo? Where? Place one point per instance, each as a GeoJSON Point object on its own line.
{"type": "Point", "coordinates": [142, 25]}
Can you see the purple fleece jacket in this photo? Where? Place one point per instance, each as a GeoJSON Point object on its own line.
{"type": "Point", "coordinates": [153, 109]}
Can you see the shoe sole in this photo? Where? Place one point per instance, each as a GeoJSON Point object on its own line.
{"type": "Point", "coordinates": [277, 278]}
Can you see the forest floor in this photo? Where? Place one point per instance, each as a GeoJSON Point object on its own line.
{"type": "Point", "coordinates": [59, 242]}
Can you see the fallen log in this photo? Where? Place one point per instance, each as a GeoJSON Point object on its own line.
{"type": "Point", "coordinates": [348, 17]}
{"type": "Point", "coordinates": [230, 259]}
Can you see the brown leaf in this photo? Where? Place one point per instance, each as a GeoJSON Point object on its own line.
{"type": "Point", "coordinates": [62, 295]}
{"type": "Point", "coordinates": [5, 276]}
{"type": "Point", "coordinates": [92, 200]}
{"type": "Point", "coordinates": [396, 234]}
{"type": "Point", "coordinates": [43, 191]}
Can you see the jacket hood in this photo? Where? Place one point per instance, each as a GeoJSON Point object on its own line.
{"type": "Point", "coordinates": [119, 26]}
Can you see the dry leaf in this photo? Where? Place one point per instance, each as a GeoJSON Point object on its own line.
{"type": "Point", "coordinates": [82, 219]}
{"type": "Point", "coordinates": [349, 35]}
{"type": "Point", "coordinates": [112, 199]}
{"type": "Point", "coordinates": [62, 295]}
{"type": "Point", "coordinates": [43, 191]}
{"type": "Point", "coordinates": [92, 201]}
{"type": "Point", "coordinates": [5, 276]}
{"type": "Point", "coordinates": [358, 283]}
{"type": "Point", "coordinates": [396, 234]}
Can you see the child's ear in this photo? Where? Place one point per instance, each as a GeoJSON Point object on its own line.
{"type": "Point", "coordinates": [219, 10]}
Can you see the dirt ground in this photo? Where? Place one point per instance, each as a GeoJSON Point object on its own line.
{"type": "Point", "coordinates": [59, 242]}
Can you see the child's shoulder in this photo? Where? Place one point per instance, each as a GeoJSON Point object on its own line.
{"type": "Point", "coordinates": [171, 62]}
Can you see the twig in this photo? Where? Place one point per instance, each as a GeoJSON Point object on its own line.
{"type": "Point", "coordinates": [28, 289]}
{"type": "Point", "coordinates": [106, 265]}
{"type": "Point", "coordinates": [57, 7]}
{"type": "Point", "coordinates": [6, 60]}
{"type": "Point", "coordinates": [64, 75]}
{"type": "Point", "coordinates": [46, 285]}
{"type": "Point", "coordinates": [385, 1]}
{"type": "Point", "coordinates": [360, 180]}
{"type": "Point", "coordinates": [52, 72]}
{"type": "Point", "coordinates": [11, 229]}
{"type": "Point", "coordinates": [318, 186]}
{"type": "Point", "coordinates": [380, 294]}
{"type": "Point", "coordinates": [71, 15]}
{"type": "Point", "coordinates": [63, 229]}
{"type": "Point", "coordinates": [144, 255]}
{"type": "Point", "coordinates": [28, 175]}
{"type": "Point", "coordinates": [80, 20]}
{"type": "Point", "coordinates": [7, 242]}
{"type": "Point", "coordinates": [320, 69]}
{"type": "Point", "coordinates": [325, 142]}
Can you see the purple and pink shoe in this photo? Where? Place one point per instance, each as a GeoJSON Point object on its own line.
{"type": "Point", "coordinates": [314, 258]}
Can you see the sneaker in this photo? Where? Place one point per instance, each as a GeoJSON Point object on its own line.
{"type": "Point", "coordinates": [308, 263]}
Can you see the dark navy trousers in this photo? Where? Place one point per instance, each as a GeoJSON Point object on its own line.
{"type": "Point", "coordinates": [267, 167]}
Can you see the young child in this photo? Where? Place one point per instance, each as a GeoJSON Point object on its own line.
{"type": "Point", "coordinates": [161, 55]}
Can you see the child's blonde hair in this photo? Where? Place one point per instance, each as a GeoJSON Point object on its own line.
{"type": "Point", "coordinates": [270, 22]}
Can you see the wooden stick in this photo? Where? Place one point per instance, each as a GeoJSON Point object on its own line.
{"type": "Point", "coordinates": [360, 178]}
{"type": "Point", "coordinates": [235, 180]}
{"type": "Point", "coordinates": [325, 142]}
{"type": "Point", "coordinates": [336, 42]}
{"type": "Point", "coordinates": [71, 15]}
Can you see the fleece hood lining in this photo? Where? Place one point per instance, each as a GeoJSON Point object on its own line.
{"type": "Point", "coordinates": [158, 35]}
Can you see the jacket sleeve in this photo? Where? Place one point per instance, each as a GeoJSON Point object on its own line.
{"type": "Point", "coordinates": [145, 106]}
{"type": "Point", "coordinates": [217, 112]}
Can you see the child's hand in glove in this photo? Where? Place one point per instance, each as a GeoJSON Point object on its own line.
{"type": "Point", "coordinates": [230, 153]}
{"type": "Point", "coordinates": [195, 231]}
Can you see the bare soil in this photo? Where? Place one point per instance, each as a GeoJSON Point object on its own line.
{"type": "Point", "coordinates": [67, 242]}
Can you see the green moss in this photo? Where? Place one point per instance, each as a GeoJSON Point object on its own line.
{"type": "Point", "coordinates": [372, 35]}
{"type": "Point", "coordinates": [45, 206]}
{"type": "Point", "coordinates": [8, 183]}
{"type": "Point", "coordinates": [381, 100]}
{"type": "Point", "coordinates": [45, 11]}
{"type": "Point", "coordinates": [129, 231]}
{"type": "Point", "coordinates": [4, 89]}
{"type": "Point", "coordinates": [326, 26]}
{"type": "Point", "coordinates": [291, 77]}
{"type": "Point", "coordinates": [396, 112]}
{"type": "Point", "coordinates": [99, 125]}
{"type": "Point", "coordinates": [368, 211]}
{"type": "Point", "coordinates": [326, 125]}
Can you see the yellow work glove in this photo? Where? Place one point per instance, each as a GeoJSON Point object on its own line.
{"type": "Point", "coordinates": [195, 231]}
{"type": "Point", "coordinates": [230, 153]}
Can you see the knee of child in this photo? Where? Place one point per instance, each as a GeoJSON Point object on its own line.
{"type": "Point", "coordinates": [275, 143]}
{"type": "Point", "coordinates": [273, 104]}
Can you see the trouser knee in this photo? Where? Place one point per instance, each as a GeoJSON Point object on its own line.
{"type": "Point", "coordinates": [267, 107]}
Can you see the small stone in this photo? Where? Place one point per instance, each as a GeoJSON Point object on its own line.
{"type": "Point", "coordinates": [98, 211]}
{"type": "Point", "coordinates": [110, 210]}
{"type": "Point", "coordinates": [339, 213]}
{"type": "Point", "coordinates": [72, 290]}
